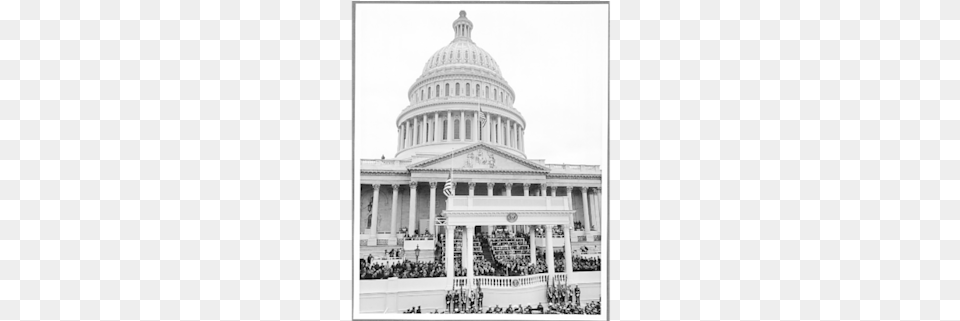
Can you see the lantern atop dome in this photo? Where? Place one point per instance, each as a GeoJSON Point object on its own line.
{"type": "Point", "coordinates": [462, 27]}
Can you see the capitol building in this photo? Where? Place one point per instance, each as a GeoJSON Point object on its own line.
{"type": "Point", "coordinates": [461, 181]}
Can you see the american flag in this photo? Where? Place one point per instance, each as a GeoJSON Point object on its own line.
{"type": "Point", "coordinates": [448, 187]}
{"type": "Point", "coordinates": [483, 116]}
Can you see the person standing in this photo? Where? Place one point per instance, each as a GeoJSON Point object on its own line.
{"type": "Point", "coordinates": [448, 301]}
{"type": "Point", "coordinates": [577, 293]}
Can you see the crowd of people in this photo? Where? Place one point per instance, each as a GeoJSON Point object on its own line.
{"type": "Point", "coordinates": [404, 270]}
{"type": "Point", "coordinates": [393, 253]}
{"type": "Point", "coordinates": [571, 308]}
{"type": "Point", "coordinates": [550, 308]}
{"type": "Point", "coordinates": [419, 237]}
{"type": "Point", "coordinates": [561, 293]}
{"type": "Point", "coordinates": [557, 231]}
{"type": "Point", "coordinates": [578, 226]}
{"type": "Point", "coordinates": [586, 264]}
{"type": "Point", "coordinates": [464, 300]}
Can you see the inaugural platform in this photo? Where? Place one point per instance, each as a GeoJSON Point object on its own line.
{"type": "Point", "coordinates": [460, 220]}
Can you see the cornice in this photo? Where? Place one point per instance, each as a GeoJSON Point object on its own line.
{"type": "Point", "coordinates": [573, 175]}
{"type": "Point", "coordinates": [494, 108]}
{"type": "Point", "coordinates": [475, 170]}
{"type": "Point", "coordinates": [383, 171]}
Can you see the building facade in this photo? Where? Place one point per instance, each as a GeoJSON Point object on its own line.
{"type": "Point", "coordinates": [461, 129]}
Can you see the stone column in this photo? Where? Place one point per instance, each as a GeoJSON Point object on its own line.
{"type": "Point", "coordinates": [513, 134]}
{"type": "Point", "coordinates": [586, 209]}
{"type": "Point", "coordinates": [393, 214]}
{"type": "Point", "coordinates": [486, 129]}
{"type": "Point", "coordinates": [506, 132]}
{"type": "Point", "coordinates": [436, 127]}
{"type": "Point", "coordinates": [470, 235]}
{"type": "Point", "coordinates": [509, 187]}
{"type": "Point", "coordinates": [499, 130]}
{"type": "Point", "coordinates": [416, 141]}
{"type": "Point", "coordinates": [533, 246]}
{"type": "Point", "coordinates": [521, 139]}
{"type": "Point", "coordinates": [449, 128]}
{"type": "Point", "coordinates": [399, 147]}
{"type": "Point", "coordinates": [463, 126]}
{"type": "Point", "coordinates": [373, 219]}
{"type": "Point", "coordinates": [471, 186]}
{"type": "Point", "coordinates": [448, 252]}
{"type": "Point", "coordinates": [476, 126]}
{"type": "Point", "coordinates": [526, 189]}
{"type": "Point", "coordinates": [567, 251]}
{"type": "Point", "coordinates": [465, 246]}
{"type": "Point", "coordinates": [569, 195]}
{"type": "Point", "coordinates": [423, 127]}
{"type": "Point", "coordinates": [490, 188]}
{"type": "Point", "coordinates": [412, 221]}
{"type": "Point", "coordinates": [599, 221]}
{"type": "Point", "coordinates": [549, 249]}
{"type": "Point", "coordinates": [406, 130]}
{"type": "Point", "coordinates": [433, 207]}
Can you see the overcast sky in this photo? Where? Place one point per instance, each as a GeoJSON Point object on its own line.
{"type": "Point", "coordinates": [554, 57]}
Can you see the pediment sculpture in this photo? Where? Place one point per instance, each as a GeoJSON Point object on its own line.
{"type": "Point", "coordinates": [479, 159]}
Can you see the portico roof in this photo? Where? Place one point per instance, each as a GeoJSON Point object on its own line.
{"type": "Point", "coordinates": [478, 157]}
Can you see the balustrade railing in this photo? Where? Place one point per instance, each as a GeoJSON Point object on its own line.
{"type": "Point", "coordinates": [509, 281]}
{"type": "Point", "coordinates": [575, 167]}
{"type": "Point", "coordinates": [384, 163]}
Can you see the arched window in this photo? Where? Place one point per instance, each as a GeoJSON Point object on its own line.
{"type": "Point", "coordinates": [456, 129]}
{"type": "Point", "coordinates": [446, 90]}
{"type": "Point", "coordinates": [468, 127]}
{"type": "Point", "coordinates": [445, 130]}
{"type": "Point", "coordinates": [478, 90]}
{"type": "Point", "coordinates": [458, 89]}
{"type": "Point", "coordinates": [438, 91]}
{"type": "Point", "coordinates": [466, 90]}
{"type": "Point", "coordinates": [429, 92]}
{"type": "Point", "coordinates": [486, 93]}
{"type": "Point", "coordinates": [421, 94]}
{"type": "Point", "coordinates": [494, 94]}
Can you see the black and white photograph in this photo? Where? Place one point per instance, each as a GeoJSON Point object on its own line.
{"type": "Point", "coordinates": [480, 160]}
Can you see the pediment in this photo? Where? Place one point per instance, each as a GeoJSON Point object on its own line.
{"type": "Point", "coordinates": [479, 157]}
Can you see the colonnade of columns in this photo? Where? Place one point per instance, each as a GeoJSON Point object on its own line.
{"type": "Point", "coordinates": [590, 200]}
{"type": "Point", "coordinates": [466, 257]}
{"type": "Point", "coordinates": [450, 126]}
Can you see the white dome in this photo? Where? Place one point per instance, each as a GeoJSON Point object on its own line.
{"type": "Point", "coordinates": [458, 81]}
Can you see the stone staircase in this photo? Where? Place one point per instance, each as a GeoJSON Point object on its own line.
{"type": "Point", "coordinates": [487, 252]}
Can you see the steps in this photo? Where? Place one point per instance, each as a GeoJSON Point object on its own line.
{"type": "Point", "coordinates": [487, 252]}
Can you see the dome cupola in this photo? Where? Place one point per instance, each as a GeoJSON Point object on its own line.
{"type": "Point", "coordinates": [462, 27]}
